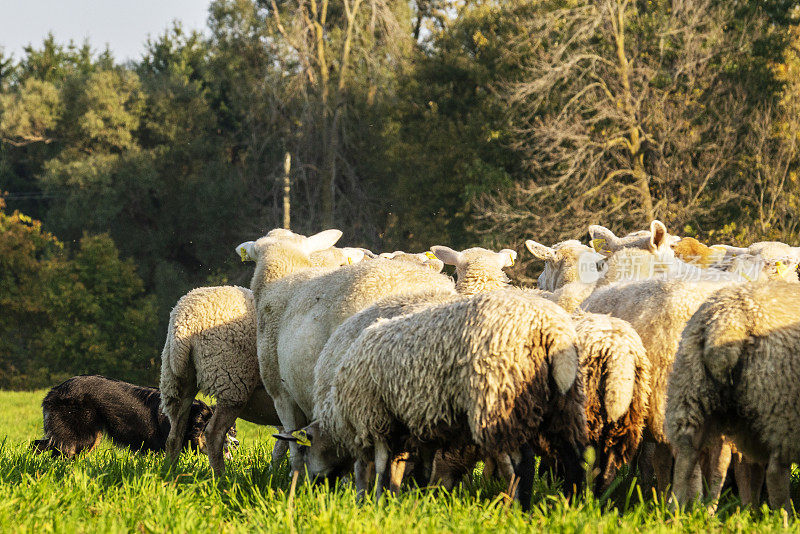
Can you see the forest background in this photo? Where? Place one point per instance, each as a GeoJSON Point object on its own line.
{"type": "Point", "coordinates": [408, 124]}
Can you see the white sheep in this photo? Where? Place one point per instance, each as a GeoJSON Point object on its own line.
{"type": "Point", "coordinates": [469, 371]}
{"type": "Point", "coordinates": [297, 314]}
{"type": "Point", "coordinates": [477, 269]}
{"type": "Point", "coordinates": [762, 260]}
{"type": "Point", "coordinates": [211, 348]}
{"type": "Point", "coordinates": [616, 379]}
{"type": "Point", "coordinates": [657, 309]}
{"type": "Point", "coordinates": [737, 372]}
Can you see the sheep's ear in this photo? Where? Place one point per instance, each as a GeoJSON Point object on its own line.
{"type": "Point", "coordinates": [446, 254]}
{"type": "Point", "coordinates": [321, 241]}
{"type": "Point", "coordinates": [658, 236]}
{"type": "Point", "coordinates": [540, 251]}
{"type": "Point", "coordinates": [247, 251]}
{"type": "Point", "coordinates": [604, 240]}
{"type": "Point", "coordinates": [368, 253]}
{"type": "Point", "coordinates": [509, 257]}
{"type": "Point", "coordinates": [353, 255]}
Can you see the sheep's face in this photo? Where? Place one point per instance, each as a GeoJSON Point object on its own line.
{"type": "Point", "coordinates": [318, 452]}
{"type": "Point", "coordinates": [288, 240]}
{"type": "Point", "coordinates": [656, 240]}
{"type": "Point", "coordinates": [476, 259]}
{"type": "Point", "coordinates": [566, 262]}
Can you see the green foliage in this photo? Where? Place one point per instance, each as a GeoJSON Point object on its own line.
{"type": "Point", "coordinates": [25, 252]}
{"type": "Point", "coordinates": [101, 320]}
{"type": "Point", "coordinates": [67, 313]}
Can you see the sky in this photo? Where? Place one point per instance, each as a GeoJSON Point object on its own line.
{"type": "Point", "coordinates": [124, 25]}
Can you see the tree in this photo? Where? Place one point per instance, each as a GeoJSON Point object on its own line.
{"type": "Point", "coordinates": [102, 321]}
{"type": "Point", "coordinates": [628, 112]}
{"type": "Point", "coordinates": [336, 56]}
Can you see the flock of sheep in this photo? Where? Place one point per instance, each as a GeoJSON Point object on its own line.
{"type": "Point", "coordinates": [383, 367]}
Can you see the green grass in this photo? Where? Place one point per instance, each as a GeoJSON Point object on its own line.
{"type": "Point", "coordinates": [113, 490]}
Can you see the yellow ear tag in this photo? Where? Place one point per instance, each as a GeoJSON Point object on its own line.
{"type": "Point", "coordinates": [597, 244]}
{"type": "Point", "coordinates": [430, 255]}
{"type": "Point", "coordinates": [349, 260]}
{"type": "Point", "coordinates": [301, 437]}
{"type": "Point", "coordinates": [243, 253]}
{"type": "Point", "coordinates": [781, 268]}
{"type": "Point", "coordinates": [512, 260]}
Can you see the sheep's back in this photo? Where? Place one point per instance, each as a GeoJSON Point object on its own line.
{"type": "Point", "coordinates": [483, 361]}
{"type": "Point", "coordinates": [217, 325]}
{"type": "Point", "coordinates": [658, 309]}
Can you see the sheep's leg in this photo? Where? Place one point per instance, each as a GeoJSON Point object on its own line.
{"type": "Point", "coordinates": [279, 450]}
{"type": "Point", "coordinates": [423, 468]}
{"type": "Point", "coordinates": [292, 418]}
{"type": "Point", "coordinates": [177, 411]}
{"type": "Point", "coordinates": [647, 477]}
{"type": "Point", "coordinates": [609, 472]}
{"type": "Point", "coordinates": [778, 483]}
{"type": "Point", "coordinates": [442, 472]}
{"type": "Point", "coordinates": [216, 432]}
{"type": "Point", "coordinates": [719, 460]}
{"type": "Point", "coordinates": [397, 470]}
{"type": "Point", "coordinates": [662, 465]}
{"type": "Point", "coordinates": [381, 464]}
{"type": "Point", "coordinates": [524, 471]}
{"type": "Point", "coordinates": [749, 479]}
{"type": "Point", "coordinates": [687, 484]}
{"type": "Point", "coordinates": [506, 467]}
{"type": "Point", "coordinates": [361, 476]}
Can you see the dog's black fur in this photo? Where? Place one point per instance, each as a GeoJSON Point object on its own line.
{"type": "Point", "coordinates": [79, 411]}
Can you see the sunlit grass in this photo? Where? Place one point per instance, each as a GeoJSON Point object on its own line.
{"type": "Point", "coordinates": [115, 490]}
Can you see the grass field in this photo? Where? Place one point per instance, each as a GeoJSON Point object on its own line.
{"type": "Point", "coordinates": [112, 490]}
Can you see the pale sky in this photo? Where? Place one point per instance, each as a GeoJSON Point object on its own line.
{"type": "Point", "coordinates": [124, 25]}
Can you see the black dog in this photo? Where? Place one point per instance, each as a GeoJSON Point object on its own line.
{"type": "Point", "coordinates": [79, 411]}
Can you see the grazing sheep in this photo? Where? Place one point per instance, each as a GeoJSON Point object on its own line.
{"type": "Point", "coordinates": [211, 348]}
{"type": "Point", "coordinates": [616, 371]}
{"type": "Point", "coordinates": [80, 410]}
{"type": "Point", "coordinates": [496, 370]}
{"type": "Point", "coordinates": [616, 379]}
{"type": "Point", "coordinates": [737, 372]}
{"type": "Point", "coordinates": [657, 309]}
{"type": "Point", "coordinates": [298, 312]}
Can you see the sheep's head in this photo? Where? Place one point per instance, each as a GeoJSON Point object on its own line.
{"type": "Point", "coordinates": [318, 451]}
{"type": "Point", "coordinates": [427, 259]}
{"type": "Point", "coordinates": [336, 257]}
{"type": "Point", "coordinates": [656, 240]}
{"type": "Point", "coordinates": [564, 263]}
{"type": "Point", "coordinates": [253, 250]}
{"type": "Point", "coordinates": [477, 269]}
{"type": "Point", "coordinates": [763, 260]}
